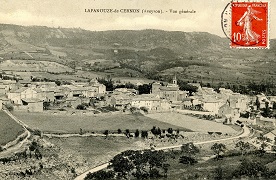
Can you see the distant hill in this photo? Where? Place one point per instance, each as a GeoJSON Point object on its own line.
{"type": "Point", "coordinates": [200, 55]}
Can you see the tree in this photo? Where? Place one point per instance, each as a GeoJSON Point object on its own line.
{"type": "Point", "coordinates": [144, 89]}
{"type": "Point", "coordinates": [127, 133]}
{"type": "Point", "coordinates": [170, 130]}
{"type": "Point", "coordinates": [274, 105]}
{"type": "Point", "coordinates": [252, 169]}
{"type": "Point", "coordinates": [119, 131]}
{"type": "Point", "coordinates": [58, 83]}
{"type": "Point", "coordinates": [46, 105]}
{"type": "Point", "coordinates": [243, 147]}
{"type": "Point", "coordinates": [189, 149]}
{"type": "Point", "coordinates": [137, 133]}
{"type": "Point", "coordinates": [106, 133]}
{"type": "Point", "coordinates": [218, 174]}
{"type": "Point", "coordinates": [264, 141]}
{"type": "Point", "coordinates": [144, 134]}
{"type": "Point", "coordinates": [218, 148]}
{"type": "Point", "coordinates": [266, 111]}
{"type": "Point", "coordinates": [9, 107]}
{"type": "Point", "coordinates": [122, 165]}
{"type": "Point", "coordinates": [99, 175]}
{"type": "Point", "coordinates": [258, 104]}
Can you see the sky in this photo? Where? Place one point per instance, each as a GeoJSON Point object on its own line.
{"type": "Point", "coordinates": [71, 13]}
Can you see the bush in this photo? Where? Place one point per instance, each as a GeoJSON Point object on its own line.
{"type": "Point", "coordinates": [187, 160]}
{"type": "Point", "coordinates": [10, 107]}
{"type": "Point", "coordinates": [144, 109]}
{"type": "Point", "coordinates": [81, 107]}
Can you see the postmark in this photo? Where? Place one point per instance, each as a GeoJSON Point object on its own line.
{"type": "Point", "coordinates": [246, 24]}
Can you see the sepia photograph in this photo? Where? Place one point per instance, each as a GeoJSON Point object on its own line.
{"type": "Point", "coordinates": [137, 89]}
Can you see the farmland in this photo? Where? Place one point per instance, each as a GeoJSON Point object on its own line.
{"type": "Point", "coordinates": [9, 129]}
{"type": "Point", "coordinates": [191, 123]}
{"type": "Point", "coordinates": [32, 65]}
{"type": "Point", "coordinates": [71, 123]}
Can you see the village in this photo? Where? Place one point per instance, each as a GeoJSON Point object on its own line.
{"type": "Point", "coordinates": [92, 97]}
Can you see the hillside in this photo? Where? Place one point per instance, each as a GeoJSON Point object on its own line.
{"type": "Point", "coordinates": [143, 53]}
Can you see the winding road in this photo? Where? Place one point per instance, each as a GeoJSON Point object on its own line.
{"type": "Point", "coordinates": [246, 133]}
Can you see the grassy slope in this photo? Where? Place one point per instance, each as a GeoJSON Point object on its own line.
{"type": "Point", "coordinates": [9, 129]}
{"type": "Point", "coordinates": [95, 150]}
{"type": "Point", "coordinates": [206, 169]}
{"type": "Point", "coordinates": [66, 124]}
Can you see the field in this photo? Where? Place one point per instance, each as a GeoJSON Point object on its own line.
{"type": "Point", "coordinates": [33, 65]}
{"type": "Point", "coordinates": [191, 123]}
{"type": "Point", "coordinates": [72, 123]}
{"type": "Point", "coordinates": [9, 129]}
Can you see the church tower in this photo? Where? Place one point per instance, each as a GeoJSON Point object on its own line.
{"type": "Point", "coordinates": [174, 80]}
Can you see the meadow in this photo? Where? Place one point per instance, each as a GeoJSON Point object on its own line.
{"type": "Point", "coordinates": [9, 129]}
{"type": "Point", "coordinates": [48, 122]}
{"type": "Point", "coordinates": [192, 123]}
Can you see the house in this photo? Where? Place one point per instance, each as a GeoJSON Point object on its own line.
{"type": "Point", "coordinates": [76, 91]}
{"type": "Point", "coordinates": [229, 113]}
{"type": "Point", "coordinates": [45, 94]}
{"type": "Point", "coordinates": [187, 102]}
{"type": "Point", "coordinates": [73, 102]}
{"type": "Point", "coordinates": [101, 89]}
{"type": "Point", "coordinates": [211, 103]}
{"type": "Point", "coordinates": [125, 91]}
{"type": "Point", "coordinates": [22, 93]}
{"type": "Point", "coordinates": [32, 105]}
{"type": "Point", "coordinates": [262, 100]}
{"type": "Point", "coordinates": [262, 121]}
{"type": "Point", "coordinates": [4, 99]}
{"type": "Point", "coordinates": [150, 102]}
{"type": "Point", "coordinates": [239, 101]}
{"type": "Point", "coordinates": [6, 86]}
{"type": "Point", "coordinates": [271, 135]}
{"type": "Point", "coordinates": [170, 92]}
{"type": "Point", "coordinates": [119, 101]}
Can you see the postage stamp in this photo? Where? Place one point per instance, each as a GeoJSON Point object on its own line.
{"type": "Point", "coordinates": [249, 25]}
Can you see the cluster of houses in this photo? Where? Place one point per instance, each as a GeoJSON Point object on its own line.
{"type": "Point", "coordinates": [30, 96]}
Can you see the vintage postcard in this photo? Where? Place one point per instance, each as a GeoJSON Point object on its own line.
{"type": "Point", "coordinates": [137, 89]}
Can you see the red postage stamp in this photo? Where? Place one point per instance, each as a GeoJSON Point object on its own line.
{"type": "Point", "coordinates": [249, 25]}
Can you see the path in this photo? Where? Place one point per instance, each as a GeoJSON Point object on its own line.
{"type": "Point", "coordinates": [246, 133]}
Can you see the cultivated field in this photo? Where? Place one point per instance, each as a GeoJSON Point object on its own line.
{"type": "Point", "coordinates": [72, 123]}
{"type": "Point", "coordinates": [9, 129]}
{"type": "Point", "coordinates": [33, 65]}
{"type": "Point", "coordinates": [191, 123]}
